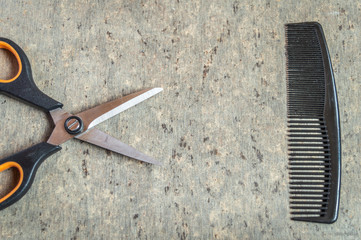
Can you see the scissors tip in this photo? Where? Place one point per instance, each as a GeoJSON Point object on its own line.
{"type": "Point", "coordinates": [150, 160]}
{"type": "Point", "coordinates": [157, 90]}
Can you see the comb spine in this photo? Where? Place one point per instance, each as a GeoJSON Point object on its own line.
{"type": "Point", "coordinates": [332, 118]}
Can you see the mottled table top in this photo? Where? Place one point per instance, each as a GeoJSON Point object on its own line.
{"type": "Point", "coordinates": [219, 126]}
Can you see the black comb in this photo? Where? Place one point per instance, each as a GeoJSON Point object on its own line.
{"type": "Point", "coordinates": [314, 142]}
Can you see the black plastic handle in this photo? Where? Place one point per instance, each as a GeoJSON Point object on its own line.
{"type": "Point", "coordinates": [22, 86]}
{"type": "Point", "coordinates": [27, 162]}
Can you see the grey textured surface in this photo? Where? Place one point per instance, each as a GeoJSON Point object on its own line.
{"type": "Point", "coordinates": [219, 127]}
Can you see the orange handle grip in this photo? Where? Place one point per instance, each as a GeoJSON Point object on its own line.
{"type": "Point", "coordinates": [6, 166]}
{"type": "Point", "coordinates": [27, 162]}
{"type": "Point", "coordinates": [8, 47]}
{"type": "Point", "coordinates": [22, 86]}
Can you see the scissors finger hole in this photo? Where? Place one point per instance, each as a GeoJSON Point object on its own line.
{"type": "Point", "coordinates": [9, 66]}
{"type": "Point", "coordinates": [9, 179]}
{"type": "Point", "coordinates": [9, 63]}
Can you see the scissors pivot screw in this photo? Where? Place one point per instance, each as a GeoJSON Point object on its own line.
{"type": "Point", "coordinates": [73, 125]}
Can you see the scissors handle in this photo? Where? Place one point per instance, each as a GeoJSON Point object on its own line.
{"type": "Point", "coordinates": [27, 163]}
{"type": "Point", "coordinates": [22, 85]}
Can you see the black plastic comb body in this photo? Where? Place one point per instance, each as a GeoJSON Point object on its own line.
{"type": "Point", "coordinates": [314, 142]}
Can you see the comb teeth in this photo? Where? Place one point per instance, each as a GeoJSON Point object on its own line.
{"type": "Point", "coordinates": [305, 75]}
{"type": "Point", "coordinates": [314, 151]}
{"type": "Point", "coordinates": [309, 167]}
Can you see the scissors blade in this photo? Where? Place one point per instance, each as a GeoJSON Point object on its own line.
{"type": "Point", "coordinates": [101, 139]}
{"type": "Point", "coordinates": [100, 113]}
{"type": "Point", "coordinates": [58, 114]}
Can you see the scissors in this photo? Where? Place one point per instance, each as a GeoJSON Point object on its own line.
{"type": "Point", "coordinates": [67, 126]}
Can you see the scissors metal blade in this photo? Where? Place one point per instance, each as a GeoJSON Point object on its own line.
{"type": "Point", "coordinates": [96, 115]}
{"type": "Point", "coordinates": [101, 139]}
{"type": "Point", "coordinates": [58, 114]}
{"type": "Point", "coordinates": [100, 113]}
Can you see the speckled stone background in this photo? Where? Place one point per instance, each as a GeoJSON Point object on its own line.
{"type": "Point", "coordinates": [219, 126]}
